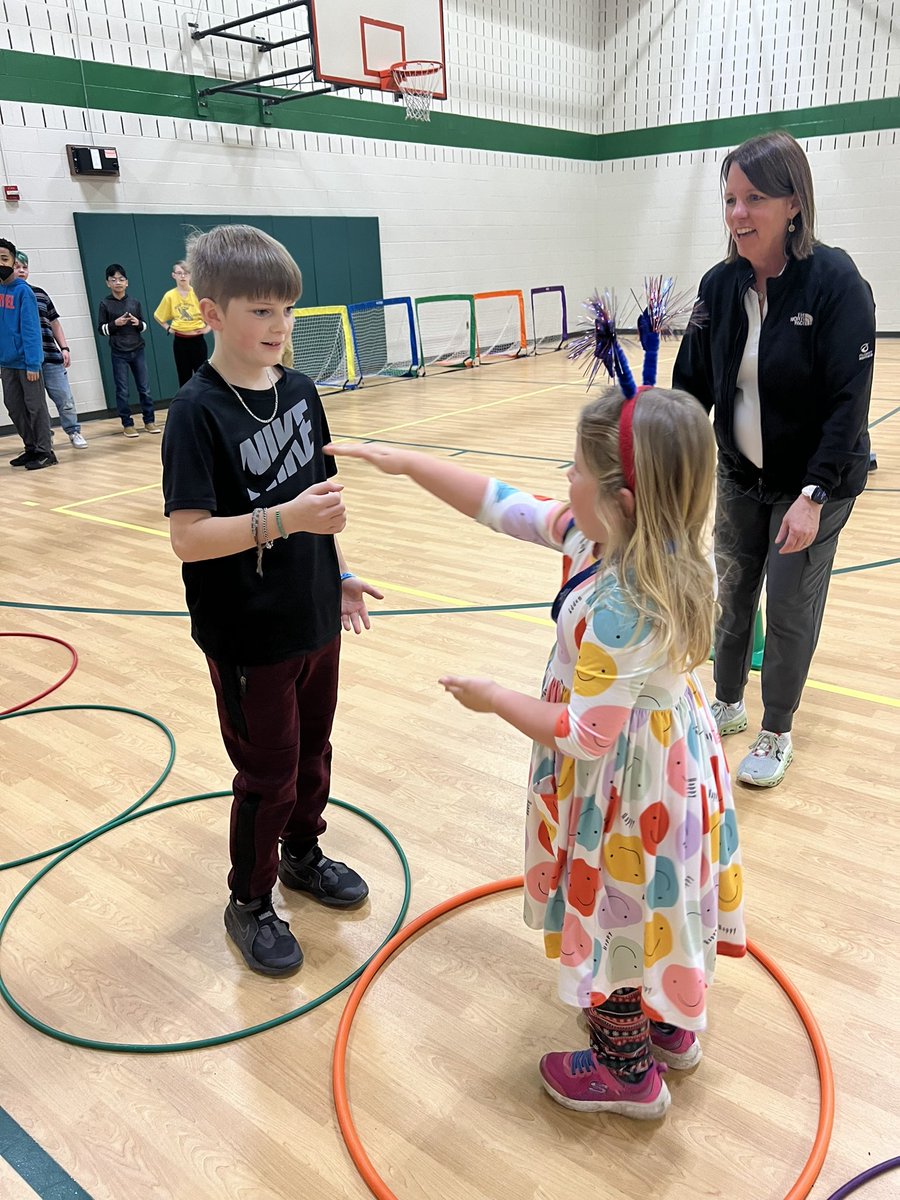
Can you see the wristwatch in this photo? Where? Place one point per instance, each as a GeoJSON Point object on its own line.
{"type": "Point", "coordinates": [813, 492]}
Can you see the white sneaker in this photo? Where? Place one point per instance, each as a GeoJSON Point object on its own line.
{"type": "Point", "coordinates": [730, 718]}
{"type": "Point", "coordinates": [770, 756]}
{"type": "Point", "coordinates": [78, 441]}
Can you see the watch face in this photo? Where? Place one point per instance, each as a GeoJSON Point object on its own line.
{"type": "Point", "coordinates": [819, 495]}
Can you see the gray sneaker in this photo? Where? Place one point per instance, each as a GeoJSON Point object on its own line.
{"type": "Point", "coordinates": [730, 718]}
{"type": "Point", "coordinates": [78, 440]}
{"type": "Point", "coordinates": [769, 758]}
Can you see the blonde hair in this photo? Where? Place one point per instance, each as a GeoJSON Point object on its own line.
{"type": "Point", "coordinates": [660, 555]}
{"type": "Point", "coordinates": [775, 163]}
{"type": "Point", "coordinates": [240, 261]}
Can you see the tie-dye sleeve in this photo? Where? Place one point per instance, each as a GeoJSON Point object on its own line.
{"type": "Point", "coordinates": [615, 660]}
{"type": "Point", "coordinates": [523, 516]}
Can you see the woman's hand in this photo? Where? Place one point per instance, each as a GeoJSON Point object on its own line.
{"type": "Point", "coordinates": [800, 526]}
{"type": "Point", "coordinates": [354, 614]}
{"type": "Point", "coordinates": [472, 692]}
{"type": "Point", "coordinates": [386, 458]}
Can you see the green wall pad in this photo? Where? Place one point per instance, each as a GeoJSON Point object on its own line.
{"type": "Point", "coordinates": [340, 258]}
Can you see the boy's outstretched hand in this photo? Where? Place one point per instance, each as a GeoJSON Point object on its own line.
{"type": "Point", "coordinates": [354, 614]}
{"type": "Point", "coordinates": [385, 458]}
{"type": "Point", "coordinates": [473, 692]}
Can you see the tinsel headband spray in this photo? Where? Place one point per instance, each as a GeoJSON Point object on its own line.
{"type": "Point", "coordinates": [658, 317]}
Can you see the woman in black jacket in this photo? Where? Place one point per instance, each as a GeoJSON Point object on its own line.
{"type": "Point", "coordinates": [783, 353]}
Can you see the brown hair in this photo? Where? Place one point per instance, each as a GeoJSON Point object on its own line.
{"type": "Point", "coordinates": [661, 554]}
{"type": "Point", "coordinates": [240, 261]}
{"type": "Point", "coordinates": [775, 163]}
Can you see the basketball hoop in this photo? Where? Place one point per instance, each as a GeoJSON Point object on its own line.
{"type": "Point", "coordinates": [418, 83]}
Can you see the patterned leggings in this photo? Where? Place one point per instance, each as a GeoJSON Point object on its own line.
{"type": "Point", "coordinates": [620, 1035]}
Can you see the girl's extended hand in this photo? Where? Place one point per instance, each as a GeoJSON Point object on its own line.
{"type": "Point", "coordinates": [473, 692]}
{"type": "Point", "coordinates": [354, 614]}
{"type": "Point", "coordinates": [386, 458]}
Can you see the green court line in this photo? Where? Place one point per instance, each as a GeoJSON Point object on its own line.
{"type": "Point", "coordinates": [886, 417]}
{"type": "Point", "coordinates": [885, 562]}
{"type": "Point", "coordinates": [33, 1164]}
{"type": "Point", "coordinates": [47, 79]}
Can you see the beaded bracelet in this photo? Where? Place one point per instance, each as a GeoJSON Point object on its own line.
{"type": "Point", "coordinates": [280, 526]}
{"type": "Point", "coordinates": [267, 541]}
{"type": "Point", "coordinates": [254, 533]}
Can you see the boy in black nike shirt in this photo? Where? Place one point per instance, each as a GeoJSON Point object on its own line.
{"type": "Point", "coordinates": [253, 516]}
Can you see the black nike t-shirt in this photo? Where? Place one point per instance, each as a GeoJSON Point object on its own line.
{"type": "Point", "coordinates": [220, 459]}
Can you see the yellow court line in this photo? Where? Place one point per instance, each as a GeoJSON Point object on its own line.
{"type": "Point", "coordinates": [437, 597]}
{"type": "Point", "coordinates": [110, 496]}
{"type": "Point", "coordinates": [872, 697]}
{"type": "Point", "coordinates": [83, 516]}
{"type": "Point", "coordinates": [458, 412]}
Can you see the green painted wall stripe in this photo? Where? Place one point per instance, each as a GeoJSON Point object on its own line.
{"type": "Point", "coordinates": [45, 79]}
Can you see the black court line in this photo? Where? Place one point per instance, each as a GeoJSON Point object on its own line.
{"type": "Point", "coordinates": [33, 1164]}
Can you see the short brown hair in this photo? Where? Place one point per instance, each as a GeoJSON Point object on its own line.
{"type": "Point", "coordinates": [775, 163]}
{"type": "Point", "coordinates": [233, 261]}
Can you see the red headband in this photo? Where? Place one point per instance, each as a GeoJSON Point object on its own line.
{"type": "Point", "coordinates": [626, 438]}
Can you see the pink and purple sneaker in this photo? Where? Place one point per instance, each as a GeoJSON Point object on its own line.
{"type": "Point", "coordinates": [678, 1049]}
{"type": "Point", "coordinates": [579, 1081]}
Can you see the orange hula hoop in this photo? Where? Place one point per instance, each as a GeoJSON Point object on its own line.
{"type": "Point", "coordinates": [364, 1165]}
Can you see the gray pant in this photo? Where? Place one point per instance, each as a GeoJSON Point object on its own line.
{"type": "Point", "coordinates": [26, 404]}
{"type": "Point", "coordinates": [747, 522]}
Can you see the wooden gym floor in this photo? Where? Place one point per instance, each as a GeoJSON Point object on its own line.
{"type": "Point", "coordinates": [124, 940]}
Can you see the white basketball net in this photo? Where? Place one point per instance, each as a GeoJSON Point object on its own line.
{"type": "Point", "coordinates": [418, 82]}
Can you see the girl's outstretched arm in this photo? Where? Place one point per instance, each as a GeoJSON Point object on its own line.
{"type": "Point", "coordinates": [461, 489]}
{"type": "Point", "coordinates": [497, 505]}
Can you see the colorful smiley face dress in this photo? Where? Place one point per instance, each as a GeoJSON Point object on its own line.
{"type": "Point", "coordinates": [632, 860]}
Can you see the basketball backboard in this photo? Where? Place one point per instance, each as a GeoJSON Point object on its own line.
{"type": "Point", "coordinates": [356, 41]}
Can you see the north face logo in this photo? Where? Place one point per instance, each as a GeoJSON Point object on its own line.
{"type": "Point", "coordinates": [277, 451]}
{"type": "Point", "coordinates": [802, 319]}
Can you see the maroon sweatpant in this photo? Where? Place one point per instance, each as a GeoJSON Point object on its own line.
{"type": "Point", "coordinates": [276, 724]}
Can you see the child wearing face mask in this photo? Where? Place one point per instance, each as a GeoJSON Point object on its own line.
{"type": "Point", "coordinates": [21, 359]}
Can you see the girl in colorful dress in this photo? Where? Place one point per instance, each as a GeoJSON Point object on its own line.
{"type": "Point", "coordinates": [632, 866]}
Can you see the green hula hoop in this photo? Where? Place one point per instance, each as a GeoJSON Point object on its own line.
{"type": "Point", "coordinates": [73, 842]}
{"type": "Point", "coordinates": [197, 1043]}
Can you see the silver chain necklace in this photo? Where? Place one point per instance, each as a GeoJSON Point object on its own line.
{"type": "Point", "coordinates": [243, 403]}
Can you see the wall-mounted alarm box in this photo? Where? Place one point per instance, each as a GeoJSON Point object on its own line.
{"type": "Point", "coordinates": [93, 160]}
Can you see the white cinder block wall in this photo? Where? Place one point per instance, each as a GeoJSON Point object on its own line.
{"type": "Point", "coordinates": [456, 219]}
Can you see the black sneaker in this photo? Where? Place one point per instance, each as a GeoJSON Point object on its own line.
{"type": "Point", "coordinates": [40, 461]}
{"type": "Point", "coordinates": [329, 882]}
{"type": "Point", "coordinates": [23, 459]}
{"type": "Point", "coordinates": [266, 942]}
